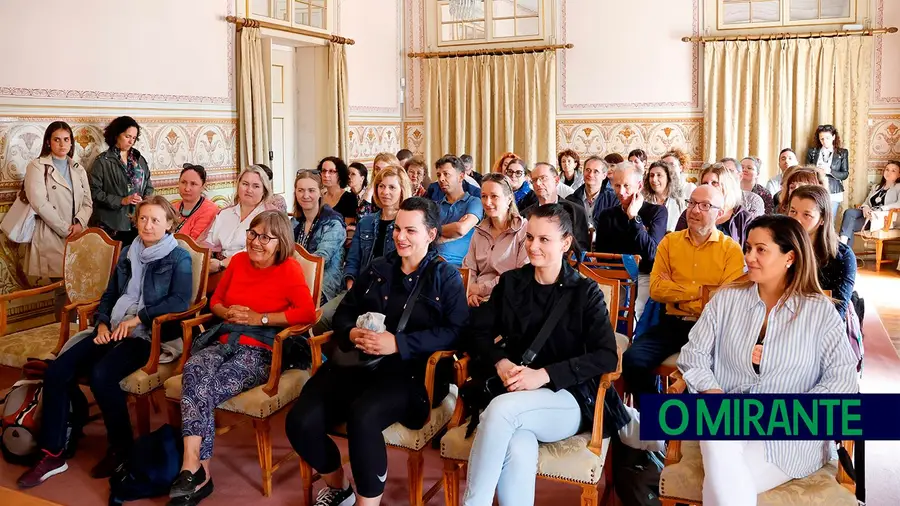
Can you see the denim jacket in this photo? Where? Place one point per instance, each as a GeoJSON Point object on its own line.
{"type": "Point", "coordinates": [326, 240]}
{"type": "Point", "coordinates": [167, 288]}
{"type": "Point", "coordinates": [360, 255]}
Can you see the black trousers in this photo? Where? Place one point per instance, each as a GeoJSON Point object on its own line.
{"type": "Point", "coordinates": [649, 350]}
{"type": "Point", "coordinates": [369, 401]}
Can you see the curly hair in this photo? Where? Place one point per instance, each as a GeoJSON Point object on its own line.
{"type": "Point", "coordinates": [571, 154]}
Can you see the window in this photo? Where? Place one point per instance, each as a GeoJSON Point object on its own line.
{"type": "Point", "coordinates": [490, 21]}
{"type": "Point", "coordinates": [772, 13]}
{"type": "Point", "coordinates": [291, 12]}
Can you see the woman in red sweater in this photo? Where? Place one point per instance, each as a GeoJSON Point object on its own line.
{"type": "Point", "coordinates": [196, 213]}
{"type": "Point", "coordinates": [261, 292]}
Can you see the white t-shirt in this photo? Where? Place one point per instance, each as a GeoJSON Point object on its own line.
{"type": "Point", "coordinates": [228, 232]}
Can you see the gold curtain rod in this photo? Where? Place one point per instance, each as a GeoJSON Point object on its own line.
{"type": "Point", "coordinates": [253, 23]}
{"type": "Point", "coordinates": [491, 52]}
{"type": "Point", "coordinates": [807, 35]}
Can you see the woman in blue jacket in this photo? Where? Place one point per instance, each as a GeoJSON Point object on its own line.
{"type": "Point", "coordinates": [319, 228]}
{"type": "Point", "coordinates": [152, 277]}
{"type": "Point", "coordinates": [375, 379]}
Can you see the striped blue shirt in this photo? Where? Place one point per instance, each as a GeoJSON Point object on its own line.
{"type": "Point", "coordinates": [806, 350]}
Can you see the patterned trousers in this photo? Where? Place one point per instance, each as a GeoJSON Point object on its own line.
{"type": "Point", "coordinates": [212, 376]}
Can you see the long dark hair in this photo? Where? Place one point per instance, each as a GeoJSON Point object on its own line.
{"type": "Point", "coordinates": [48, 133]}
{"type": "Point", "coordinates": [564, 219]}
{"type": "Point", "coordinates": [833, 131]}
{"type": "Point", "coordinates": [825, 245]}
{"type": "Point", "coordinates": [883, 182]}
{"type": "Point", "coordinates": [342, 171]}
{"type": "Point", "coordinates": [363, 171]}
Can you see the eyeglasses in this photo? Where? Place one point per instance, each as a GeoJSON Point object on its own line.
{"type": "Point", "coordinates": [514, 173]}
{"type": "Point", "coordinates": [263, 238]}
{"type": "Point", "coordinates": [704, 206]}
{"type": "Point", "coordinates": [329, 171]}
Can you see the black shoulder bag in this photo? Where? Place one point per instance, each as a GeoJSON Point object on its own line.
{"type": "Point", "coordinates": [477, 394]}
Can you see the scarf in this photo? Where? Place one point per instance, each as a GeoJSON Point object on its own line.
{"type": "Point", "coordinates": [132, 170]}
{"type": "Point", "coordinates": [132, 301]}
{"type": "Point", "coordinates": [522, 191]}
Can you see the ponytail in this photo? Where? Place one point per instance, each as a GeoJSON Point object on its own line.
{"type": "Point", "coordinates": [564, 217]}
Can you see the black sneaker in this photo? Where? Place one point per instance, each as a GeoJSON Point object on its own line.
{"type": "Point", "coordinates": [187, 482]}
{"type": "Point", "coordinates": [193, 498]}
{"type": "Point", "coordinates": [336, 497]}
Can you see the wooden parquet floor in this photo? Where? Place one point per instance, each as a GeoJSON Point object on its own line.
{"type": "Point", "coordinates": [883, 291]}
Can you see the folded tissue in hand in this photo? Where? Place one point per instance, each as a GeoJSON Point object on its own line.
{"type": "Point", "coordinates": [371, 321]}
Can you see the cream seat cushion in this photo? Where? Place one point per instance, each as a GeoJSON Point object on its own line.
{"type": "Point", "coordinates": [882, 234]}
{"type": "Point", "coordinates": [568, 459]}
{"type": "Point", "coordinates": [39, 342]}
{"type": "Point", "coordinates": [622, 342]}
{"type": "Point", "coordinates": [139, 382]}
{"type": "Point", "coordinates": [684, 480]}
{"type": "Point", "coordinates": [671, 361]}
{"type": "Point", "coordinates": [254, 402]}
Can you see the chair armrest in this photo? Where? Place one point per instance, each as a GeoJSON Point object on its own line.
{"type": "Point", "coordinates": [271, 387]}
{"type": "Point", "coordinates": [316, 343]}
{"type": "Point", "coordinates": [606, 381]}
{"type": "Point", "coordinates": [461, 367]}
{"type": "Point", "coordinates": [85, 312]}
{"type": "Point", "coordinates": [7, 297]}
{"type": "Point", "coordinates": [156, 333]}
{"type": "Point", "coordinates": [187, 336]}
{"type": "Point", "coordinates": [172, 317]}
{"type": "Point", "coordinates": [842, 477]}
{"type": "Point", "coordinates": [673, 452]}
{"type": "Point", "coordinates": [64, 327]}
{"type": "Point", "coordinates": [431, 369]}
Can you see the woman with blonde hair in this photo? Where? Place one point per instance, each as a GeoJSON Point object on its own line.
{"type": "Point", "coordinates": [319, 228]}
{"type": "Point", "coordinates": [366, 205]}
{"type": "Point", "coordinates": [790, 333]}
{"type": "Point", "coordinates": [499, 241]}
{"type": "Point", "coordinates": [663, 187]}
{"type": "Point", "coordinates": [227, 235]}
{"type": "Point", "coordinates": [735, 220]}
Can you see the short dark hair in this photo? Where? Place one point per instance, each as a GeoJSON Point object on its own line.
{"type": "Point", "coordinates": [639, 153]}
{"type": "Point", "coordinates": [571, 154]}
{"type": "Point", "coordinates": [564, 219]}
{"type": "Point", "coordinates": [48, 133]}
{"type": "Point", "coordinates": [467, 160]}
{"type": "Point", "coordinates": [404, 154]}
{"type": "Point", "coordinates": [613, 159]}
{"type": "Point", "coordinates": [363, 171]}
{"type": "Point", "coordinates": [199, 169]}
{"type": "Point", "coordinates": [117, 126]}
{"type": "Point", "coordinates": [431, 213]}
{"type": "Point", "coordinates": [785, 150]}
{"type": "Point", "coordinates": [341, 167]}
{"type": "Point", "coordinates": [595, 158]}
{"type": "Point", "coordinates": [452, 160]}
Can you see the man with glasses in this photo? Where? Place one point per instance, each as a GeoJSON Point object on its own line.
{"type": "Point", "coordinates": [545, 184]}
{"type": "Point", "coordinates": [685, 262]}
{"type": "Point", "coordinates": [460, 211]}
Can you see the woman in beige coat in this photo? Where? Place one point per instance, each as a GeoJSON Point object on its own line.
{"type": "Point", "coordinates": [57, 189]}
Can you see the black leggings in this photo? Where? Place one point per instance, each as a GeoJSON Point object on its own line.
{"type": "Point", "coordinates": [369, 401]}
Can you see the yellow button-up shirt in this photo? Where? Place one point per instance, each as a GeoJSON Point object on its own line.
{"type": "Point", "coordinates": [681, 269]}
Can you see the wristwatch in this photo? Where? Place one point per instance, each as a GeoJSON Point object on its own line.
{"type": "Point", "coordinates": [637, 219]}
{"type": "Point", "coordinates": [265, 319]}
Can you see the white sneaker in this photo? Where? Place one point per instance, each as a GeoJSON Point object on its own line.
{"type": "Point", "coordinates": [630, 434]}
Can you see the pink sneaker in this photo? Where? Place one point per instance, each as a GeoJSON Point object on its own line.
{"type": "Point", "coordinates": [48, 466]}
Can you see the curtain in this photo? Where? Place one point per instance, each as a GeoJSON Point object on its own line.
{"type": "Point", "coordinates": [338, 108]}
{"type": "Point", "coordinates": [488, 105]}
{"type": "Point", "coordinates": [254, 105]}
{"type": "Point", "coordinates": [763, 96]}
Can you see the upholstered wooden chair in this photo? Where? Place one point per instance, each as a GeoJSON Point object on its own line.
{"type": "Point", "coordinates": [610, 266]}
{"type": "Point", "coordinates": [579, 460]}
{"type": "Point", "coordinates": [261, 403]}
{"type": "Point", "coordinates": [397, 435]}
{"type": "Point", "coordinates": [90, 258]}
{"type": "Point", "coordinates": [881, 233]}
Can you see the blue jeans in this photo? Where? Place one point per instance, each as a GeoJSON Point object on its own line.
{"type": "Point", "coordinates": [505, 453]}
{"type": "Point", "coordinates": [853, 222]}
{"type": "Point", "coordinates": [834, 208]}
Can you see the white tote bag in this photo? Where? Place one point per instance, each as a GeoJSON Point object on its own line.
{"type": "Point", "coordinates": [18, 224]}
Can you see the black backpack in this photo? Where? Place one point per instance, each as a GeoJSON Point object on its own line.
{"type": "Point", "coordinates": [636, 474]}
{"type": "Point", "coordinates": [150, 469]}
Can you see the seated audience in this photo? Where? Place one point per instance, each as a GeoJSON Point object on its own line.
{"type": "Point", "coordinates": [228, 234]}
{"type": "Point", "coordinates": [336, 178]}
{"type": "Point", "coordinates": [835, 261]}
{"type": "Point", "coordinates": [782, 324]}
{"type": "Point", "coordinates": [595, 195]}
{"type": "Point", "coordinates": [152, 277]}
{"type": "Point", "coordinates": [375, 379]}
{"type": "Point", "coordinates": [235, 355]}
{"type": "Point", "coordinates": [415, 169]}
{"type": "Point", "coordinates": [553, 397]}
{"type": "Point", "coordinates": [519, 175]}
{"type": "Point", "coordinates": [274, 201]}
{"type": "Point", "coordinates": [436, 192]}
{"type": "Point", "coordinates": [499, 241]}
{"type": "Point", "coordinates": [359, 175]}
{"type": "Point", "coordinates": [884, 196]}
{"type": "Point", "coordinates": [685, 261]}
{"type": "Point", "coordinates": [119, 180]}
{"type": "Point", "coordinates": [381, 161]}
{"type": "Point", "coordinates": [718, 175]}
{"type": "Point", "coordinates": [319, 229]}
{"type": "Point", "coordinates": [59, 193]}
{"type": "Point", "coordinates": [795, 178]}
{"type": "Point", "coordinates": [570, 169]}
{"type": "Point", "coordinates": [679, 161]}
{"type": "Point", "coordinates": [403, 155]}
{"type": "Point", "coordinates": [545, 180]}
{"type": "Point", "coordinates": [749, 176]}
{"type": "Point", "coordinates": [460, 211]}
{"type": "Point", "coordinates": [634, 227]}
{"type": "Point", "coordinates": [786, 159]}
{"type": "Point", "coordinates": [503, 162]}
{"type": "Point", "coordinates": [472, 175]}
{"type": "Point", "coordinates": [195, 213]}
{"type": "Point", "coordinates": [639, 158]}
{"type": "Point", "coordinates": [735, 219]}
{"type": "Point", "coordinates": [663, 188]}
{"type": "Point", "coordinates": [834, 161]}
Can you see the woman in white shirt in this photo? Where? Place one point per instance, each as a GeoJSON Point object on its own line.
{"type": "Point", "coordinates": [228, 234]}
{"type": "Point", "coordinates": [663, 187]}
{"type": "Point", "coordinates": [829, 157]}
{"type": "Point", "coordinates": [776, 333]}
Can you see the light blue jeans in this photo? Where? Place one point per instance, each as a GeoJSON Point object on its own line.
{"type": "Point", "coordinates": [505, 452]}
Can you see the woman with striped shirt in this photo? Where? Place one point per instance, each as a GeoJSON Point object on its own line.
{"type": "Point", "coordinates": [776, 333]}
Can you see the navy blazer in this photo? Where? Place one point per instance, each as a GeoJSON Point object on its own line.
{"type": "Point", "coordinates": [617, 234]}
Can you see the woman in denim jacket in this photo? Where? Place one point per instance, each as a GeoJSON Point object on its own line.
{"type": "Point", "coordinates": [152, 277]}
{"type": "Point", "coordinates": [319, 228]}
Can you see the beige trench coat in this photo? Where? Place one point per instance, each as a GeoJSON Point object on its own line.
{"type": "Point", "coordinates": [53, 203]}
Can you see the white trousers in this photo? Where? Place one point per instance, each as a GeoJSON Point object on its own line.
{"type": "Point", "coordinates": [736, 472]}
{"type": "Point", "coordinates": [643, 293]}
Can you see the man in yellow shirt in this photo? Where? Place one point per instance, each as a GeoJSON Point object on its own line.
{"type": "Point", "coordinates": [685, 261]}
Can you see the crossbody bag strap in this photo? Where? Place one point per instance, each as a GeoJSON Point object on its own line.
{"type": "Point", "coordinates": [411, 301]}
{"type": "Point", "coordinates": [558, 309]}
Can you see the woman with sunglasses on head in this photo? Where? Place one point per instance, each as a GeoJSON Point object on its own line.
{"type": "Point", "coordinates": [776, 333]}
{"type": "Point", "coordinates": [196, 213]}
{"type": "Point", "coordinates": [262, 292]}
{"type": "Point", "coordinates": [829, 157]}
{"type": "Point", "coordinates": [319, 229]}
{"type": "Point", "coordinates": [499, 241]}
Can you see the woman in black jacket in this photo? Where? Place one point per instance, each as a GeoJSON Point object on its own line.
{"type": "Point", "coordinates": [829, 157]}
{"type": "Point", "coordinates": [545, 401]}
{"type": "Point", "coordinates": [375, 379]}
